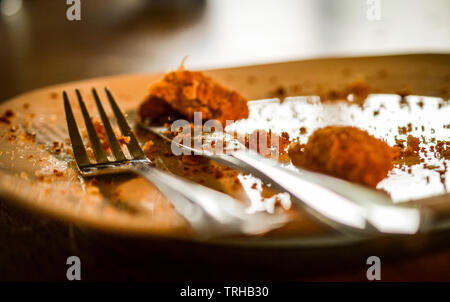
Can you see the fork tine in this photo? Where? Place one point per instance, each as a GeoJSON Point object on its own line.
{"type": "Point", "coordinates": [79, 151]}
{"type": "Point", "coordinates": [133, 145]}
{"type": "Point", "coordinates": [99, 153]}
{"type": "Point", "coordinates": [113, 143]}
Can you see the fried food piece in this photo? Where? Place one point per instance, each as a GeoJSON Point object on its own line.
{"type": "Point", "coordinates": [345, 152]}
{"type": "Point", "coordinates": [186, 92]}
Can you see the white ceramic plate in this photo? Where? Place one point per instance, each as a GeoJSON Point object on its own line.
{"type": "Point", "coordinates": [24, 165]}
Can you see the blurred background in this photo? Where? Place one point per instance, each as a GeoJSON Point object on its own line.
{"type": "Point", "coordinates": [40, 46]}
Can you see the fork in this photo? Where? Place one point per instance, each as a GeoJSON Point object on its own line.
{"type": "Point", "coordinates": [210, 213]}
{"type": "Point", "coordinates": [346, 207]}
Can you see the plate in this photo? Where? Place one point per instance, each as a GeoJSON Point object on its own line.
{"type": "Point", "coordinates": [40, 178]}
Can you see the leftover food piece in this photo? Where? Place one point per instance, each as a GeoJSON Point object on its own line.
{"type": "Point", "coordinates": [412, 145]}
{"type": "Point", "coordinates": [7, 117]}
{"type": "Point", "coordinates": [405, 129]}
{"type": "Point", "coordinates": [191, 160]}
{"type": "Point", "coordinates": [280, 92]}
{"type": "Point", "coordinates": [443, 149]}
{"type": "Point", "coordinates": [186, 92]}
{"type": "Point", "coordinates": [345, 152]}
{"type": "Point", "coordinates": [57, 147]}
{"type": "Point", "coordinates": [276, 144]}
{"type": "Point", "coordinates": [98, 126]}
{"type": "Point", "coordinates": [408, 155]}
{"type": "Point", "coordinates": [358, 89]}
{"type": "Point", "coordinates": [149, 147]}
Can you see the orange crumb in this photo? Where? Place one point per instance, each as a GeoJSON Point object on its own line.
{"type": "Point", "coordinates": [412, 145]}
{"type": "Point", "coordinates": [275, 145]}
{"type": "Point", "coordinates": [123, 140]}
{"type": "Point", "coordinates": [7, 117]}
{"type": "Point", "coordinates": [191, 159]}
{"type": "Point", "coordinates": [149, 147]}
{"type": "Point", "coordinates": [58, 173]}
{"type": "Point", "coordinates": [358, 88]}
{"type": "Point", "coordinates": [443, 149]}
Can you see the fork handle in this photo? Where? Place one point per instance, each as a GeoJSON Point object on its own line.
{"type": "Point", "coordinates": [344, 206]}
{"type": "Point", "coordinates": [209, 212]}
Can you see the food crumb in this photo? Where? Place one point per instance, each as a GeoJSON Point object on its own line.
{"type": "Point", "coordinates": [191, 159]}
{"type": "Point", "coordinates": [58, 173]}
{"type": "Point", "coordinates": [7, 117]}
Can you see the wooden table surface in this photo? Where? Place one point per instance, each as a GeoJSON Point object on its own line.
{"type": "Point", "coordinates": [39, 47]}
{"type": "Point", "coordinates": [35, 248]}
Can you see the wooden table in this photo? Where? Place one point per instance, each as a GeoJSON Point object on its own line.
{"type": "Point", "coordinates": [35, 248]}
